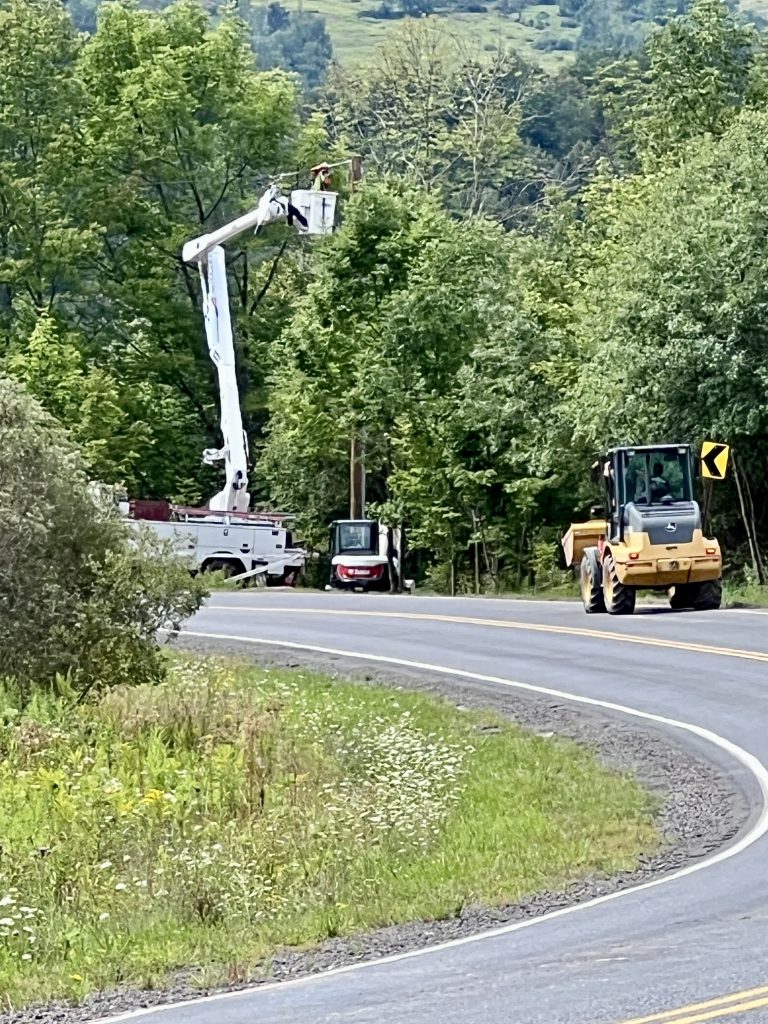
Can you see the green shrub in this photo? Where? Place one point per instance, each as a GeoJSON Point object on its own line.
{"type": "Point", "coordinates": [81, 596]}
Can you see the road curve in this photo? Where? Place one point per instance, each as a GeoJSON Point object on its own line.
{"type": "Point", "coordinates": [687, 943]}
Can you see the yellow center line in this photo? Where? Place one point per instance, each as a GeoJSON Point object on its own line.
{"type": "Point", "coordinates": [722, 1006]}
{"type": "Point", "coordinates": [534, 627]}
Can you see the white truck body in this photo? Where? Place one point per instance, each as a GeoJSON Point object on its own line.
{"type": "Point", "coordinates": [237, 547]}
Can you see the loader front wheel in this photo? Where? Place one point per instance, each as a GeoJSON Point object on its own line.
{"type": "Point", "coordinates": [592, 583]}
{"type": "Point", "coordinates": [619, 598]}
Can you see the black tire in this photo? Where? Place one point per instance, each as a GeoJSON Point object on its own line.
{"type": "Point", "coordinates": [709, 596]}
{"type": "Point", "coordinates": [619, 598]}
{"type": "Point", "coordinates": [683, 596]}
{"type": "Point", "coordinates": [592, 596]}
{"type": "Point", "coordinates": [702, 597]}
{"type": "Point", "coordinates": [224, 565]}
{"type": "Point", "coordinates": [286, 579]}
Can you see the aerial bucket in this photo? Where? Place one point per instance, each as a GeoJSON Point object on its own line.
{"type": "Point", "coordinates": [317, 207]}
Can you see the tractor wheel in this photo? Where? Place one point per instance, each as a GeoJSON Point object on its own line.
{"type": "Point", "coordinates": [619, 598]}
{"type": "Point", "coordinates": [592, 583]}
{"type": "Point", "coordinates": [683, 596]}
{"type": "Point", "coordinates": [709, 596]}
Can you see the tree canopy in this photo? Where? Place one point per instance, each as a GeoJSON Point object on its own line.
{"type": "Point", "coordinates": [533, 267]}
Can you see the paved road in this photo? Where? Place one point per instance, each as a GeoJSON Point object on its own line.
{"type": "Point", "coordinates": [680, 946]}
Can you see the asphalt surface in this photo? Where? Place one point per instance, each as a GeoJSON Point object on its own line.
{"type": "Point", "coordinates": [685, 942]}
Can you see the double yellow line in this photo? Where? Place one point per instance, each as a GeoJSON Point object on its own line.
{"type": "Point", "coordinates": [532, 627]}
{"type": "Point", "coordinates": [697, 1013]}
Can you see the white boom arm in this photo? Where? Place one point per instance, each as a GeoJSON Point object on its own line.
{"type": "Point", "coordinates": [234, 496]}
{"type": "Point", "coordinates": [206, 251]}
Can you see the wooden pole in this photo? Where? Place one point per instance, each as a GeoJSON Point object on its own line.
{"type": "Point", "coordinates": [356, 449]}
{"type": "Point", "coordinates": [707, 505]}
{"type": "Point", "coordinates": [477, 553]}
{"type": "Point", "coordinates": [761, 576]}
{"type": "Point", "coordinates": [748, 518]}
{"type": "Point", "coordinates": [353, 479]}
{"type": "Point", "coordinates": [356, 479]}
{"type": "Point", "coordinates": [356, 171]}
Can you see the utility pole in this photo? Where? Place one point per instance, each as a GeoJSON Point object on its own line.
{"type": "Point", "coordinates": [477, 552]}
{"type": "Point", "coordinates": [356, 171]}
{"type": "Point", "coordinates": [356, 447]}
{"type": "Point", "coordinates": [356, 479]}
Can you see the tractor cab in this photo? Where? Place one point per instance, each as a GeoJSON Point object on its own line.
{"type": "Point", "coordinates": [643, 484]}
{"type": "Point", "coordinates": [360, 555]}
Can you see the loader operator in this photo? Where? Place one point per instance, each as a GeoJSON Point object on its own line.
{"type": "Point", "coordinates": [659, 486]}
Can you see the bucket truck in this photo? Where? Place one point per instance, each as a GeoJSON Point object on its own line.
{"type": "Point", "coordinates": [225, 535]}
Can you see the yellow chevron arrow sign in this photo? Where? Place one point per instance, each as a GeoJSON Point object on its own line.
{"type": "Point", "coordinates": [714, 460]}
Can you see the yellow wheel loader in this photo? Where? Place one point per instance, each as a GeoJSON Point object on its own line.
{"type": "Point", "coordinates": [648, 536]}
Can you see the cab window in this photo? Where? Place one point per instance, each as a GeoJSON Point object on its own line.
{"type": "Point", "coordinates": [657, 477]}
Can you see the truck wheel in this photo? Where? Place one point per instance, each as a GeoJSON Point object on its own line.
{"type": "Point", "coordinates": [223, 565]}
{"type": "Point", "coordinates": [592, 596]}
{"type": "Point", "coordinates": [683, 596]}
{"type": "Point", "coordinates": [709, 596]}
{"type": "Point", "coordinates": [619, 598]}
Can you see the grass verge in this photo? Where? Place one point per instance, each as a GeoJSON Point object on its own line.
{"type": "Point", "coordinates": [745, 595]}
{"type": "Point", "coordinates": [205, 821]}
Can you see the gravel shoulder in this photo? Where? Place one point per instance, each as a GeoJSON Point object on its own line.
{"type": "Point", "coordinates": [703, 807]}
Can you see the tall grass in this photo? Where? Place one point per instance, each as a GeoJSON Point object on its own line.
{"type": "Point", "coordinates": [204, 821]}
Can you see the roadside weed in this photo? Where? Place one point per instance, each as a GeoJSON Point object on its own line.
{"type": "Point", "coordinates": [203, 821]}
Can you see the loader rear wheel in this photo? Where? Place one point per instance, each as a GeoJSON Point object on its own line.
{"type": "Point", "coordinates": [702, 597]}
{"type": "Point", "coordinates": [619, 598]}
{"type": "Point", "coordinates": [683, 596]}
{"type": "Point", "coordinates": [709, 596]}
{"type": "Point", "coordinates": [592, 595]}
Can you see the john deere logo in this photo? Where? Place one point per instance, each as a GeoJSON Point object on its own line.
{"type": "Point", "coordinates": [670, 527]}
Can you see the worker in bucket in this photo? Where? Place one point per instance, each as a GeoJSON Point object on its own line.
{"type": "Point", "coordinates": [321, 177]}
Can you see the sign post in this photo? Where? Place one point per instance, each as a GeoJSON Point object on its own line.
{"type": "Point", "coordinates": [714, 464]}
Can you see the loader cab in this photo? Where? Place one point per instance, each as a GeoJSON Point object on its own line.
{"type": "Point", "coordinates": [653, 476]}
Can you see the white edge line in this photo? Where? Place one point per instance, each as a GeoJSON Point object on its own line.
{"type": "Point", "coordinates": [750, 762]}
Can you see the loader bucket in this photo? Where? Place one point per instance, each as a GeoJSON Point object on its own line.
{"type": "Point", "coordinates": [581, 536]}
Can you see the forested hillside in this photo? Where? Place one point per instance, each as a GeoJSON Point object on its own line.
{"type": "Point", "coordinates": [534, 267]}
